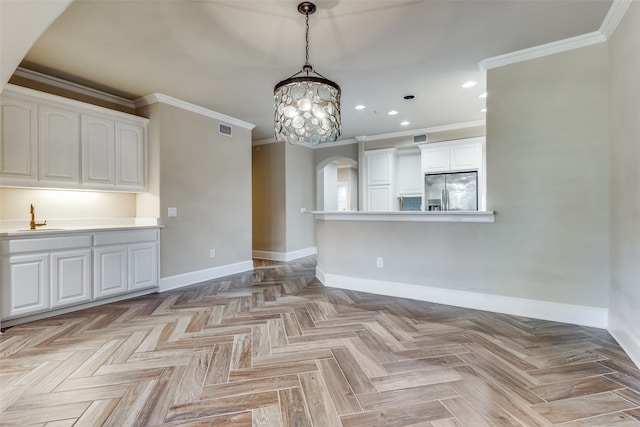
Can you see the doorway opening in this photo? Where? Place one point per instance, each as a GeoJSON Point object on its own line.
{"type": "Point", "coordinates": [337, 185]}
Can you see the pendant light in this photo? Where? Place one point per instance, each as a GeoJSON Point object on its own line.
{"type": "Point", "coordinates": [307, 105]}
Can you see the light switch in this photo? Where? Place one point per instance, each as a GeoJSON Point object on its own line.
{"type": "Point", "coordinates": [172, 212]}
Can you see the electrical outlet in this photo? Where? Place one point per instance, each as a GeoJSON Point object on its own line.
{"type": "Point", "coordinates": [172, 212]}
{"type": "Point", "coordinates": [379, 262]}
{"type": "Point", "coordinates": [212, 253]}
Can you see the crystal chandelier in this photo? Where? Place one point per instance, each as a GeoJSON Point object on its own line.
{"type": "Point", "coordinates": [307, 108]}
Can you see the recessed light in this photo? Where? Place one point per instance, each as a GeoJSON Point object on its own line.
{"type": "Point", "coordinates": [392, 112]}
{"type": "Point", "coordinates": [405, 123]}
{"type": "Point", "coordinates": [484, 110]}
{"type": "Point", "coordinates": [360, 107]}
{"type": "Point", "coordinates": [469, 84]}
{"type": "Point", "coordinates": [484, 95]}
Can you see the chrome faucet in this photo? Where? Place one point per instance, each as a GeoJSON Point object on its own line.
{"type": "Point", "coordinates": [33, 224]}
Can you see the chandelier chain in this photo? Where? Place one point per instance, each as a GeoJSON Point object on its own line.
{"type": "Point", "coordinates": [307, 40]}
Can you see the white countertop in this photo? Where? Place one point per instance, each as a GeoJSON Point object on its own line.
{"type": "Point", "coordinates": [20, 228]}
{"type": "Point", "coordinates": [408, 216]}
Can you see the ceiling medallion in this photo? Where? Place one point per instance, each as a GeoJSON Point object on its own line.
{"type": "Point", "coordinates": [307, 105]}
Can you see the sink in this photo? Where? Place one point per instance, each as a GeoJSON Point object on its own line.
{"type": "Point", "coordinates": [42, 229]}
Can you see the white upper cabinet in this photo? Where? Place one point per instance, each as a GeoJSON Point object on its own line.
{"type": "Point", "coordinates": [409, 175]}
{"type": "Point", "coordinates": [435, 159]}
{"type": "Point", "coordinates": [465, 154]}
{"type": "Point", "coordinates": [98, 151]}
{"type": "Point", "coordinates": [380, 166]}
{"type": "Point", "coordinates": [58, 146]}
{"type": "Point", "coordinates": [18, 141]}
{"type": "Point", "coordinates": [130, 156]}
{"type": "Point", "coordinates": [53, 142]}
{"type": "Point", "coordinates": [466, 157]}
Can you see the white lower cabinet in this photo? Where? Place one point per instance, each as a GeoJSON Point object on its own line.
{"type": "Point", "coordinates": [44, 274]}
{"type": "Point", "coordinates": [143, 265]}
{"type": "Point", "coordinates": [110, 271]}
{"type": "Point", "coordinates": [125, 262]}
{"type": "Point", "coordinates": [379, 198]}
{"type": "Point", "coordinates": [25, 284]}
{"type": "Point", "coordinates": [70, 277]}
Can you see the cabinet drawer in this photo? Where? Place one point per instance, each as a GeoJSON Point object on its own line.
{"type": "Point", "coordinates": [124, 237]}
{"type": "Point", "coordinates": [17, 246]}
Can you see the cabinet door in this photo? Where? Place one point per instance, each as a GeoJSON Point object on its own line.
{"type": "Point", "coordinates": [59, 149]}
{"type": "Point", "coordinates": [110, 271]}
{"type": "Point", "coordinates": [130, 156]}
{"type": "Point", "coordinates": [435, 159]}
{"type": "Point", "coordinates": [26, 287]}
{"type": "Point", "coordinates": [98, 152]}
{"type": "Point", "coordinates": [379, 168]}
{"type": "Point", "coordinates": [379, 198]}
{"type": "Point", "coordinates": [18, 142]}
{"type": "Point", "coordinates": [143, 265]}
{"type": "Point", "coordinates": [466, 157]}
{"type": "Point", "coordinates": [70, 277]}
{"type": "Point", "coordinates": [409, 175]}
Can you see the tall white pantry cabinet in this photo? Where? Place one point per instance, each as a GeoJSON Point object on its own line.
{"type": "Point", "coordinates": [381, 181]}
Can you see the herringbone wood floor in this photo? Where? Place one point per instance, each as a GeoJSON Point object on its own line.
{"type": "Point", "coordinates": [276, 348]}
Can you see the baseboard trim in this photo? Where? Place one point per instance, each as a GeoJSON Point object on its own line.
{"type": "Point", "coordinates": [186, 279]}
{"type": "Point", "coordinates": [545, 310]}
{"type": "Point", "coordinates": [285, 256]}
{"type": "Point", "coordinates": [7, 323]}
{"type": "Point", "coordinates": [628, 340]}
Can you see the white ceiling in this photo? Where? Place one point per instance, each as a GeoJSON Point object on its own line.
{"type": "Point", "coordinates": [228, 55]}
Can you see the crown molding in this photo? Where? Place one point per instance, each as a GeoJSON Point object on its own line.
{"type": "Point", "coordinates": [178, 103]}
{"type": "Point", "coordinates": [313, 147]}
{"type": "Point", "coordinates": [542, 50]}
{"type": "Point", "coordinates": [616, 11]}
{"type": "Point", "coordinates": [56, 82]}
{"type": "Point", "coordinates": [444, 128]}
{"type": "Point", "coordinates": [614, 16]}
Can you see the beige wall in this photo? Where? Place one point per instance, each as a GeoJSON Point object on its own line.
{"type": "Point", "coordinates": [547, 180]}
{"type": "Point", "coordinates": [624, 60]}
{"type": "Point", "coordinates": [269, 214]}
{"type": "Point", "coordinates": [282, 184]}
{"type": "Point", "coordinates": [207, 177]}
{"type": "Point", "coordinates": [300, 193]}
{"type": "Point", "coordinates": [65, 204]}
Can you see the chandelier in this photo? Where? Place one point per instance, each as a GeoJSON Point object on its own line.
{"type": "Point", "coordinates": [307, 107]}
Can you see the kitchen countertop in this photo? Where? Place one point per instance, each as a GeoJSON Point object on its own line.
{"type": "Point", "coordinates": [20, 228]}
{"type": "Point", "coordinates": [408, 216]}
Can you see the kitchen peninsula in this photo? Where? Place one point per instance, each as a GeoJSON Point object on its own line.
{"type": "Point", "coordinates": [441, 257]}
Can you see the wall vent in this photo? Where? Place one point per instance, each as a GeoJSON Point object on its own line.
{"type": "Point", "coordinates": [224, 129]}
{"type": "Point", "coordinates": [420, 139]}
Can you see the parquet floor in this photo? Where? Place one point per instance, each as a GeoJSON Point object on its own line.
{"type": "Point", "coordinates": [276, 348]}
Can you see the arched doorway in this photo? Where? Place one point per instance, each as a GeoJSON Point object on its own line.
{"type": "Point", "coordinates": [337, 185]}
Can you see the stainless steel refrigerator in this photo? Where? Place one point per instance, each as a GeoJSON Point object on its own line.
{"type": "Point", "coordinates": [454, 191]}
